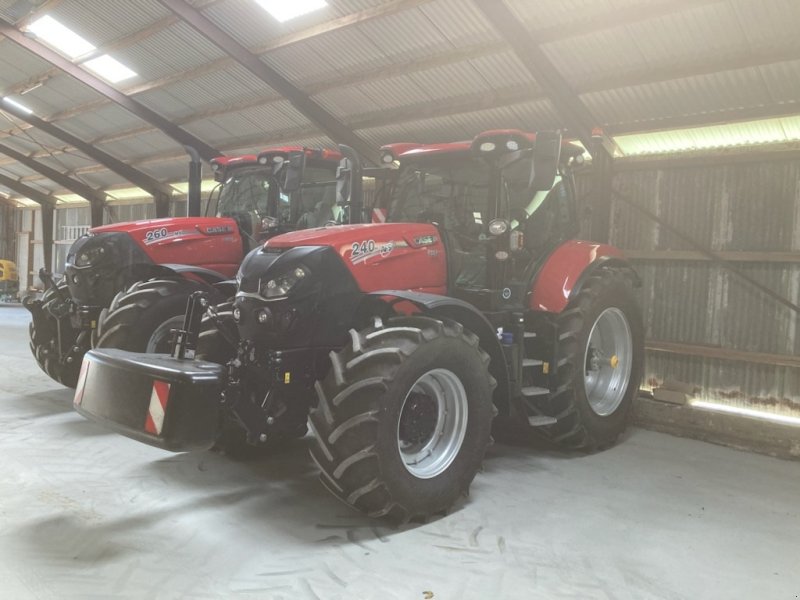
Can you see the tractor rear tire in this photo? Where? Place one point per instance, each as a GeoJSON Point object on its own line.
{"type": "Point", "coordinates": [45, 351]}
{"type": "Point", "coordinates": [404, 418]}
{"type": "Point", "coordinates": [139, 319]}
{"type": "Point", "coordinates": [600, 364]}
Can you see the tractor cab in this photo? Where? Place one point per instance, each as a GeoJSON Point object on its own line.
{"type": "Point", "coordinates": [502, 202]}
{"type": "Point", "coordinates": [274, 191]}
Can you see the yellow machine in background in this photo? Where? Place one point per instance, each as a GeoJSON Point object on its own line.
{"type": "Point", "coordinates": [9, 281]}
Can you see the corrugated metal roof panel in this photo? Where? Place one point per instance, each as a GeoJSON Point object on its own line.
{"type": "Point", "coordinates": [394, 92]}
{"type": "Point", "coordinates": [214, 90]}
{"type": "Point", "coordinates": [405, 35]}
{"type": "Point", "coordinates": [530, 116]}
{"type": "Point", "coordinates": [17, 65]}
{"type": "Point", "coordinates": [455, 79]}
{"type": "Point", "coordinates": [145, 144]}
{"type": "Point", "coordinates": [459, 22]}
{"type": "Point", "coordinates": [502, 69]}
{"type": "Point", "coordinates": [709, 29]}
{"type": "Point", "coordinates": [274, 117]}
{"type": "Point", "coordinates": [342, 102]}
{"type": "Point", "coordinates": [590, 57]}
{"type": "Point", "coordinates": [57, 94]}
{"type": "Point", "coordinates": [690, 96]}
{"type": "Point", "coordinates": [341, 53]}
{"type": "Point", "coordinates": [768, 24]}
{"type": "Point", "coordinates": [177, 48]}
{"type": "Point", "coordinates": [540, 15]}
{"type": "Point", "coordinates": [64, 162]}
{"type": "Point", "coordinates": [105, 120]}
{"type": "Point", "coordinates": [782, 80]}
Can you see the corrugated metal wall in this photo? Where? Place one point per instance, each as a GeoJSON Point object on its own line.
{"type": "Point", "coordinates": [743, 208]}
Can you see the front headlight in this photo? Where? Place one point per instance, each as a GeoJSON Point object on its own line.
{"type": "Point", "coordinates": [88, 257]}
{"type": "Point", "coordinates": [278, 287]}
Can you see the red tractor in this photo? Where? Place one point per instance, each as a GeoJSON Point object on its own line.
{"type": "Point", "coordinates": [126, 285]}
{"type": "Point", "coordinates": [399, 342]}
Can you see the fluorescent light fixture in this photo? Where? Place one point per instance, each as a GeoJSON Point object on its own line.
{"type": "Point", "coordinates": [60, 37]}
{"type": "Point", "coordinates": [284, 10]}
{"type": "Point", "coordinates": [17, 105]}
{"type": "Point", "coordinates": [109, 68]}
{"type": "Point", "coordinates": [747, 412]}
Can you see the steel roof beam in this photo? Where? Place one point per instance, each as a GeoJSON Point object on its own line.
{"type": "Point", "coordinates": [161, 193]}
{"type": "Point", "coordinates": [181, 136]}
{"type": "Point", "coordinates": [565, 100]}
{"type": "Point", "coordinates": [27, 191]}
{"type": "Point", "coordinates": [327, 122]}
{"type": "Point", "coordinates": [73, 185]}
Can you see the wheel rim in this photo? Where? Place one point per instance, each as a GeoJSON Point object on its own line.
{"type": "Point", "coordinates": [433, 422]}
{"type": "Point", "coordinates": [608, 361]}
{"type": "Point", "coordinates": [159, 340]}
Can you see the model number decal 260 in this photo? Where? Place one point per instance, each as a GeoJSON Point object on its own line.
{"type": "Point", "coordinates": [155, 234]}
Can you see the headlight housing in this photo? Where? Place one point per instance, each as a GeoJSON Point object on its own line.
{"type": "Point", "coordinates": [89, 256]}
{"type": "Point", "coordinates": [280, 286]}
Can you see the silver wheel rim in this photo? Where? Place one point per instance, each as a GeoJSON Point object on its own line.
{"type": "Point", "coordinates": [608, 360]}
{"type": "Point", "coordinates": [439, 401]}
{"type": "Point", "coordinates": [161, 335]}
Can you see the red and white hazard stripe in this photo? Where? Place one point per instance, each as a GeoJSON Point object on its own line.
{"type": "Point", "coordinates": [81, 383]}
{"type": "Point", "coordinates": [379, 215]}
{"type": "Point", "coordinates": [154, 422]}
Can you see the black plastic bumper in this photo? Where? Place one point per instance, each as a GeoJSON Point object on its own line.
{"type": "Point", "coordinates": [153, 398]}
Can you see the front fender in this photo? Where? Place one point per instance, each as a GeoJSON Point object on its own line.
{"type": "Point", "coordinates": [445, 307]}
{"type": "Point", "coordinates": [202, 274]}
{"type": "Point", "coordinates": [564, 270]}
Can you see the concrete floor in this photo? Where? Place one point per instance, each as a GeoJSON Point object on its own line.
{"type": "Point", "coordinates": [88, 514]}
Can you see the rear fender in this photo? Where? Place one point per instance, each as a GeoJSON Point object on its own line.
{"type": "Point", "coordinates": [445, 307]}
{"type": "Point", "coordinates": [564, 271]}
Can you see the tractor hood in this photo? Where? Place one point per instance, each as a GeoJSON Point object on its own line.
{"type": "Point", "coordinates": [172, 227]}
{"type": "Point", "coordinates": [380, 256]}
{"type": "Point", "coordinates": [344, 236]}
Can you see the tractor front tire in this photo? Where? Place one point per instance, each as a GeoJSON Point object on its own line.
{"type": "Point", "coordinates": [404, 418]}
{"type": "Point", "coordinates": [140, 318]}
{"type": "Point", "coordinates": [45, 351]}
{"type": "Point", "coordinates": [600, 364]}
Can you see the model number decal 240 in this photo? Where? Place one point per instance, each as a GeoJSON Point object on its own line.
{"type": "Point", "coordinates": [155, 234]}
{"type": "Point", "coordinates": [361, 251]}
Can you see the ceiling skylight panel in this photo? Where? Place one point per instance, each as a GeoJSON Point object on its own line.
{"type": "Point", "coordinates": [60, 37]}
{"type": "Point", "coordinates": [109, 68]}
{"type": "Point", "coordinates": [284, 10]}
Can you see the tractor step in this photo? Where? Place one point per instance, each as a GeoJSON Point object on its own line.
{"type": "Point", "coordinates": [541, 421]}
{"type": "Point", "coordinates": [531, 362]}
{"type": "Point", "coordinates": [529, 335]}
{"type": "Point", "coordinates": [533, 390]}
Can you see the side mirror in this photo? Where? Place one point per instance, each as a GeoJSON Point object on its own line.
{"type": "Point", "coordinates": [291, 174]}
{"type": "Point", "coordinates": [546, 155]}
